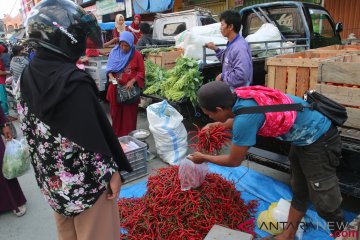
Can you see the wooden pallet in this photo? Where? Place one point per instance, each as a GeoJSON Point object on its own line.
{"type": "Point", "coordinates": [166, 60]}
{"type": "Point", "coordinates": [295, 73]}
{"type": "Point", "coordinates": [339, 79]}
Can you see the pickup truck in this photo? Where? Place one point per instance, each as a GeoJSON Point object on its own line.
{"type": "Point", "coordinates": [308, 26]}
{"type": "Point", "coordinates": [167, 26]}
{"type": "Point", "coordinates": [296, 22]}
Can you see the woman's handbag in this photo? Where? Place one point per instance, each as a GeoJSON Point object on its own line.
{"type": "Point", "coordinates": [127, 96]}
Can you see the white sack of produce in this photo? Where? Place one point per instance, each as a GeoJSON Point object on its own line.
{"type": "Point", "coordinates": [165, 123]}
{"type": "Point", "coordinates": [194, 39]}
{"type": "Point", "coordinates": [267, 32]}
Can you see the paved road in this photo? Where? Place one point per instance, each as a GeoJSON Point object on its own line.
{"type": "Point", "coordinates": [38, 223]}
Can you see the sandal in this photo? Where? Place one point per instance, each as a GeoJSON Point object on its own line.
{"type": "Point", "coordinates": [20, 211]}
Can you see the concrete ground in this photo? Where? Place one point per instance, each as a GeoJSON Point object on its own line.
{"type": "Point", "coordinates": [38, 222]}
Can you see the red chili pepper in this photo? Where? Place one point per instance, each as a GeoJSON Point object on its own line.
{"type": "Point", "coordinates": [166, 212]}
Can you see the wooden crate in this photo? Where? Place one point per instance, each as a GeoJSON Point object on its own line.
{"type": "Point", "coordinates": [339, 48]}
{"type": "Point", "coordinates": [295, 73]}
{"type": "Point", "coordinates": [166, 60]}
{"type": "Point", "coordinates": [339, 79]}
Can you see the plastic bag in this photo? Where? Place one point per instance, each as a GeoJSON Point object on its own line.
{"type": "Point", "coordinates": [193, 40]}
{"type": "Point", "coordinates": [16, 159]}
{"type": "Point", "coordinates": [165, 124]}
{"type": "Point", "coordinates": [275, 218]}
{"type": "Point", "coordinates": [192, 175]}
{"type": "Point", "coordinates": [268, 32]}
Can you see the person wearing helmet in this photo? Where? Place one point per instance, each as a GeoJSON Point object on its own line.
{"type": "Point", "coordinates": [74, 151]}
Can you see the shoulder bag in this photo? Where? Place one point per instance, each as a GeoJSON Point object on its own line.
{"type": "Point", "coordinates": [127, 96]}
{"type": "Point", "coordinates": [331, 109]}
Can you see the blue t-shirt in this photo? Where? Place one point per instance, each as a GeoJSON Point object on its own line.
{"type": "Point", "coordinates": [308, 126]}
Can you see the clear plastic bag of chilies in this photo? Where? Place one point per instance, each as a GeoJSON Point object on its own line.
{"type": "Point", "coordinates": [191, 175]}
{"type": "Point", "coordinates": [16, 159]}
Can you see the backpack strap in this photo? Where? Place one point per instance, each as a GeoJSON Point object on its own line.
{"type": "Point", "coordinates": [270, 108]}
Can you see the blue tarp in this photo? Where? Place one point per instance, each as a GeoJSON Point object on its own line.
{"type": "Point", "coordinates": [111, 25]}
{"type": "Point", "coordinates": [254, 185]}
{"type": "Point", "coordinates": [153, 6]}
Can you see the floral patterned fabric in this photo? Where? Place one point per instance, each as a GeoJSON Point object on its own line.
{"type": "Point", "coordinates": [276, 123]}
{"type": "Point", "coordinates": [70, 177]}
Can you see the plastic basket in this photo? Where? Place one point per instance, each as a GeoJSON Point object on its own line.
{"type": "Point", "coordinates": [137, 159]}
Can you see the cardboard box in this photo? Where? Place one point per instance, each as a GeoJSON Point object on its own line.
{"type": "Point", "coordinates": [166, 60]}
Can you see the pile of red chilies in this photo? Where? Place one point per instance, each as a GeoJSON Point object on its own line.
{"type": "Point", "coordinates": [210, 141]}
{"type": "Point", "coordinates": [166, 212]}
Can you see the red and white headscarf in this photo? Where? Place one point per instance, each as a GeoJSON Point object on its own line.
{"type": "Point", "coordinates": [135, 28]}
{"type": "Point", "coordinates": [276, 123]}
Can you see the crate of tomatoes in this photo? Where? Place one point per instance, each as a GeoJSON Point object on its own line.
{"type": "Point", "coordinates": [339, 79]}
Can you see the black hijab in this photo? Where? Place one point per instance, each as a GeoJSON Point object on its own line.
{"type": "Point", "coordinates": [65, 98]}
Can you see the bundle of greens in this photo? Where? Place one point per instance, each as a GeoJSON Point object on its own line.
{"type": "Point", "coordinates": [157, 50]}
{"type": "Point", "coordinates": [154, 76]}
{"type": "Point", "coordinates": [183, 81]}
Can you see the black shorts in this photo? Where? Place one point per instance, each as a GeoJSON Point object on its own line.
{"type": "Point", "coordinates": [313, 170]}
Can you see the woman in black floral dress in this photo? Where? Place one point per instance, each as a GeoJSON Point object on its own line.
{"type": "Point", "coordinates": [75, 153]}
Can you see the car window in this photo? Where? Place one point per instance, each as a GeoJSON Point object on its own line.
{"type": "Point", "coordinates": [287, 20]}
{"type": "Point", "coordinates": [254, 23]}
{"type": "Point", "coordinates": [172, 29]}
{"type": "Point", "coordinates": [321, 23]}
{"type": "Point", "coordinates": [207, 20]}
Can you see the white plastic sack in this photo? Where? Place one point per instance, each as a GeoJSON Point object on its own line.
{"type": "Point", "coordinates": [281, 212]}
{"type": "Point", "coordinates": [165, 123]}
{"type": "Point", "coordinates": [193, 40]}
{"type": "Point", "coordinates": [16, 159]}
{"type": "Point", "coordinates": [268, 32]}
{"type": "Point", "coordinates": [192, 175]}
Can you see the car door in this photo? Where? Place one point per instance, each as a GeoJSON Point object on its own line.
{"type": "Point", "coordinates": [322, 29]}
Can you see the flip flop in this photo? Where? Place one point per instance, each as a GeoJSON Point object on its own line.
{"type": "Point", "coordinates": [20, 211]}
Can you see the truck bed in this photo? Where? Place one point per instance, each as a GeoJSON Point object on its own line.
{"type": "Point", "coordinates": [273, 153]}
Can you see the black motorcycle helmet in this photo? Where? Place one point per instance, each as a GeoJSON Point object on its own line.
{"type": "Point", "coordinates": [63, 27]}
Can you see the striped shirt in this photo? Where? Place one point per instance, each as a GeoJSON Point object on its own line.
{"type": "Point", "coordinates": [17, 65]}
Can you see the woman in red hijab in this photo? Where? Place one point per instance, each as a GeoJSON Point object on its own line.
{"type": "Point", "coordinates": [134, 28]}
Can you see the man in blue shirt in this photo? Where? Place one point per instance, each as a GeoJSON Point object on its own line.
{"type": "Point", "coordinates": [236, 59]}
{"type": "Point", "coordinates": [314, 153]}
